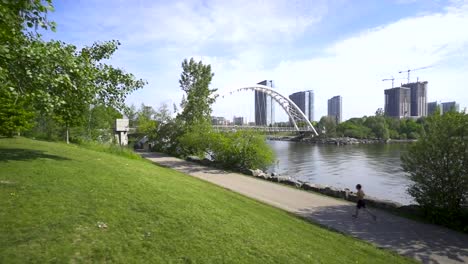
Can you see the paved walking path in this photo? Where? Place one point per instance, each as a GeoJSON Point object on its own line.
{"type": "Point", "coordinates": [425, 242]}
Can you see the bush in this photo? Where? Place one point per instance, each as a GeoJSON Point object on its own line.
{"type": "Point", "coordinates": [413, 135]}
{"type": "Point", "coordinates": [242, 149]}
{"type": "Point", "coordinates": [438, 166]}
{"type": "Point", "coordinates": [393, 134]}
{"type": "Point", "coordinates": [234, 150]}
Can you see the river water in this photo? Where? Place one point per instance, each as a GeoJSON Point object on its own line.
{"type": "Point", "coordinates": [375, 166]}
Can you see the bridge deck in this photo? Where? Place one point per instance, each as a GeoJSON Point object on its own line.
{"type": "Point", "coordinates": [260, 128]}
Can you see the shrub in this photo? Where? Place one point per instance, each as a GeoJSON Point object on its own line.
{"type": "Point", "coordinates": [438, 166]}
{"type": "Point", "coordinates": [242, 149]}
{"type": "Point", "coordinates": [235, 150]}
{"type": "Point", "coordinates": [413, 135]}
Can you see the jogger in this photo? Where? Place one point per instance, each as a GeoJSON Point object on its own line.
{"type": "Point", "coordinates": [361, 203]}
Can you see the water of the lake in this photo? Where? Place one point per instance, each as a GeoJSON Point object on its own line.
{"type": "Point", "coordinates": [376, 166]}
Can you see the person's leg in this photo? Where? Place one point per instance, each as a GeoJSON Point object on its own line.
{"type": "Point", "coordinates": [355, 215]}
{"type": "Point", "coordinates": [371, 214]}
{"type": "Point", "coordinates": [359, 204]}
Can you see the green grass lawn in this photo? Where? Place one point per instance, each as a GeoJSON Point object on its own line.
{"type": "Point", "coordinates": [53, 197]}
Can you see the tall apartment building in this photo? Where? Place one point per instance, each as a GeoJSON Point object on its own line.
{"type": "Point", "coordinates": [264, 107]}
{"type": "Point", "coordinates": [432, 107]}
{"type": "Point", "coordinates": [335, 108]}
{"type": "Point", "coordinates": [305, 101]}
{"type": "Point", "coordinates": [398, 102]}
{"type": "Point", "coordinates": [450, 106]}
{"type": "Point", "coordinates": [218, 120]}
{"type": "Point", "coordinates": [418, 91]}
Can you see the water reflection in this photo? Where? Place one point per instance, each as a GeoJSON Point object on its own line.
{"type": "Point", "coordinates": [376, 167]}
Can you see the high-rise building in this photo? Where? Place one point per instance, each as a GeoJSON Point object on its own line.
{"type": "Point", "coordinates": [432, 107]}
{"type": "Point", "coordinates": [418, 91]}
{"type": "Point", "coordinates": [335, 108]}
{"type": "Point", "coordinates": [218, 120]}
{"type": "Point", "coordinates": [264, 107]}
{"type": "Point", "coordinates": [305, 101]}
{"type": "Point", "coordinates": [398, 102]}
{"type": "Point", "coordinates": [238, 120]}
{"type": "Point", "coordinates": [450, 106]}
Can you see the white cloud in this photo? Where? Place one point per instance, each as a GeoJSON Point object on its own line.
{"type": "Point", "coordinates": [234, 22]}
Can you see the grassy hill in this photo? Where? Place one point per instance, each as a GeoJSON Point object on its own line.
{"type": "Point", "coordinates": [63, 203]}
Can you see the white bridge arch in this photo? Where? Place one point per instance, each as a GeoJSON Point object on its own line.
{"type": "Point", "coordinates": [291, 109]}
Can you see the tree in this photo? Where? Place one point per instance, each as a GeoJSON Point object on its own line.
{"type": "Point", "coordinates": [354, 129]}
{"type": "Point", "coordinates": [379, 112]}
{"type": "Point", "coordinates": [131, 113]}
{"type": "Point", "coordinates": [64, 81]}
{"type": "Point", "coordinates": [194, 81]}
{"type": "Point", "coordinates": [196, 111]}
{"type": "Point", "coordinates": [55, 77]}
{"type": "Point", "coordinates": [101, 120]}
{"type": "Point", "coordinates": [14, 116]}
{"type": "Point", "coordinates": [86, 81]}
{"type": "Point", "coordinates": [190, 133]}
{"type": "Point", "coordinates": [438, 166]}
{"type": "Point", "coordinates": [16, 17]}
{"type": "Point", "coordinates": [411, 128]}
{"type": "Point", "coordinates": [378, 126]}
{"type": "Point", "coordinates": [146, 125]}
{"type": "Point", "coordinates": [328, 125]}
{"type": "Point", "coordinates": [163, 114]}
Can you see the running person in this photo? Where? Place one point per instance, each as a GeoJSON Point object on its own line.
{"type": "Point", "coordinates": [361, 203]}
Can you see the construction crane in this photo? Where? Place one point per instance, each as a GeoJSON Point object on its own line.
{"type": "Point", "coordinates": [408, 71]}
{"type": "Point", "coordinates": [392, 79]}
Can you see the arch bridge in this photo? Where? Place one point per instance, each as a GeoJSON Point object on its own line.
{"type": "Point", "coordinates": [295, 114]}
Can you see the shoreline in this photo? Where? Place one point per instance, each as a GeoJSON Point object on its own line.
{"type": "Point", "coordinates": [339, 140]}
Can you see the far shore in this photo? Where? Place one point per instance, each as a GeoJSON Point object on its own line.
{"type": "Point", "coordinates": [339, 140]}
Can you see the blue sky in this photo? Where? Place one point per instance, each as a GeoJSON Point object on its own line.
{"type": "Point", "coordinates": [336, 47]}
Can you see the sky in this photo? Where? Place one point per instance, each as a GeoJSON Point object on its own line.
{"type": "Point", "coordinates": [334, 47]}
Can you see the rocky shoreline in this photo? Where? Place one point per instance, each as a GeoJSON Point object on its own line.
{"type": "Point", "coordinates": [339, 141]}
{"type": "Point", "coordinates": [345, 194]}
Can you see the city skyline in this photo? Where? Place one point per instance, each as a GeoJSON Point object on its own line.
{"type": "Point", "coordinates": [408, 100]}
{"type": "Point", "coordinates": [315, 46]}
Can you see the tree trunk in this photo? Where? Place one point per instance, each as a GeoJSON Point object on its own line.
{"type": "Point", "coordinates": [68, 142]}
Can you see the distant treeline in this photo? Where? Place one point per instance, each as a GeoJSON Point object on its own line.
{"type": "Point", "coordinates": [373, 127]}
